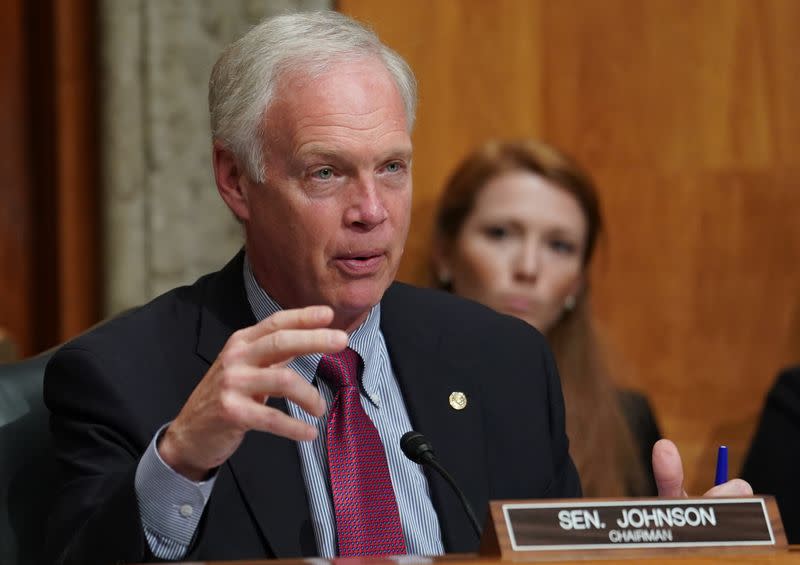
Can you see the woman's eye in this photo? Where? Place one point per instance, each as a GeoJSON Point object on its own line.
{"type": "Point", "coordinates": [562, 246]}
{"type": "Point", "coordinates": [324, 173]}
{"type": "Point", "coordinates": [496, 232]}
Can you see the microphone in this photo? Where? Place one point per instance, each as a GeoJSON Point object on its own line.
{"type": "Point", "coordinates": [416, 447]}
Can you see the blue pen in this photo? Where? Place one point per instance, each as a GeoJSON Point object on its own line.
{"type": "Point", "coordinates": [722, 466]}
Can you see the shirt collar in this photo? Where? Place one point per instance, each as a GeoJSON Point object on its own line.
{"type": "Point", "coordinates": [364, 340]}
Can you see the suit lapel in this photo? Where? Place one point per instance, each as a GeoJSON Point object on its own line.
{"type": "Point", "coordinates": [224, 309]}
{"type": "Point", "coordinates": [266, 468]}
{"type": "Point", "coordinates": [427, 377]}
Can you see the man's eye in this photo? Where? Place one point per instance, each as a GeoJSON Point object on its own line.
{"type": "Point", "coordinates": [324, 173]}
{"type": "Point", "coordinates": [393, 167]}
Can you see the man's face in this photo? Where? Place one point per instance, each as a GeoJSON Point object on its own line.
{"type": "Point", "coordinates": [329, 223]}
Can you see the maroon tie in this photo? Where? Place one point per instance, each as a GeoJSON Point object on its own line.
{"type": "Point", "coordinates": [367, 519]}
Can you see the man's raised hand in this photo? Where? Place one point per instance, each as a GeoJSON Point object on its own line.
{"type": "Point", "coordinates": [230, 399]}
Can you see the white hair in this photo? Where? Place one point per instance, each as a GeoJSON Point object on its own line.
{"type": "Point", "coordinates": [245, 76]}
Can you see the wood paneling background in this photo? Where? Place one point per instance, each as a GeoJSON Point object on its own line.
{"type": "Point", "coordinates": [685, 112]}
{"type": "Point", "coordinates": [49, 242]}
{"type": "Point", "coordinates": [16, 276]}
{"type": "Point", "coordinates": [77, 162]}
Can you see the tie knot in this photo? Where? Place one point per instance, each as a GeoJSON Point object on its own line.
{"type": "Point", "coordinates": [340, 369]}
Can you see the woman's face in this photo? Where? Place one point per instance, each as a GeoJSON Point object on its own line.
{"type": "Point", "coordinates": [520, 250]}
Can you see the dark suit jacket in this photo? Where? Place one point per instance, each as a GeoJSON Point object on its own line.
{"type": "Point", "coordinates": [640, 419]}
{"type": "Point", "coordinates": [771, 463]}
{"type": "Point", "coordinates": [110, 390]}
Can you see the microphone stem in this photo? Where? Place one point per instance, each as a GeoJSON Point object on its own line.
{"type": "Point", "coordinates": [464, 502]}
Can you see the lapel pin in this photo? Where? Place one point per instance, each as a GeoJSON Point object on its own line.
{"type": "Point", "coordinates": [458, 400]}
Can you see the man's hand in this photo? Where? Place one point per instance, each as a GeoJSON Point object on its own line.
{"type": "Point", "coordinates": [230, 399]}
{"type": "Point", "coordinates": [668, 471]}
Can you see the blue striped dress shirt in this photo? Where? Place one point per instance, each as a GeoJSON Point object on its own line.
{"type": "Point", "coordinates": [171, 505]}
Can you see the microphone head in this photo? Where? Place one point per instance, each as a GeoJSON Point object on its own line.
{"type": "Point", "coordinates": [416, 447]}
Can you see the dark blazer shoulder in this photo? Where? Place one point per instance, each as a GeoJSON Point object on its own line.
{"type": "Point", "coordinates": [786, 389]}
{"type": "Point", "coordinates": [641, 421]}
{"type": "Point", "coordinates": [167, 317]}
{"type": "Point", "coordinates": [770, 465]}
{"type": "Point", "coordinates": [639, 415]}
{"type": "Point", "coordinates": [143, 326]}
{"type": "Point", "coordinates": [461, 320]}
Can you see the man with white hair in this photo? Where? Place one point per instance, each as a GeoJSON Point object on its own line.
{"type": "Point", "coordinates": [258, 412]}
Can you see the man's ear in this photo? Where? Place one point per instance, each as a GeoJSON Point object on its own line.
{"type": "Point", "coordinates": [232, 181]}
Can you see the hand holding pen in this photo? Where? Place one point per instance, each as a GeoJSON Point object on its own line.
{"type": "Point", "coordinates": [668, 473]}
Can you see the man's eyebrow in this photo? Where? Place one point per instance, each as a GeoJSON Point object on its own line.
{"type": "Point", "coordinates": [403, 152]}
{"type": "Point", "coordinates": [399, 152]}
{"type": "Point", "coordinates": [318, 151]}
{"type": "Point", "coordinates": [326, 153]}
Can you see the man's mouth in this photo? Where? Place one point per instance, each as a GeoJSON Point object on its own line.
{"type": "Point", "coordinates": [361, 263]}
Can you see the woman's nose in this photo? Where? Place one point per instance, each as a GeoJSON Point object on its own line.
{"type": "Point", "coordinates": [528, 262]}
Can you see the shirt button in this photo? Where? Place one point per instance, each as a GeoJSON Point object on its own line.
{"type": "Point", "coordinates": [186, 510]}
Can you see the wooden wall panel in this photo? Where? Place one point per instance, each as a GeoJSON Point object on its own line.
{"type": "Point", "coordinates": [685, 113]}
{"type": "Point", "coordinates": [49, 284]}
{"type": "Point", "coordinates": [16, 273]}
{"type": "Point", "coordinates": [77, 162]}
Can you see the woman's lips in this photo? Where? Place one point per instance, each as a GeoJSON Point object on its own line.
{"type": "Point", "coordinates": [517, 304]}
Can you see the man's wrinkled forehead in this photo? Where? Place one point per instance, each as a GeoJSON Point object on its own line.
{"type": "Point", "coordinates": [351, 101]}
{"type": "Point", "coordinates": [317, 76]}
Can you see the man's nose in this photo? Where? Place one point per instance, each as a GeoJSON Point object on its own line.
{"type": "Point", "coordinates": [367, 209]}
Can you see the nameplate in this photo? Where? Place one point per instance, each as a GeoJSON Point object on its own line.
{"type": "Point", "coordinates": [523, 529]}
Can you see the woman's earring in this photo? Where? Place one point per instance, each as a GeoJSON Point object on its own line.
{"type": "Point", "coordinates": [569, 303]}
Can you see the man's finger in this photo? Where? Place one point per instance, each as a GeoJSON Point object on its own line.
{"type": "Point", "coordinates": [295, 318]}
{"type": "Point", "coordinates": [280, 346]}
{"type": "Point", "coordinates": [734, 487]}
{"type": "Point", "coordinates": [668, 469]}
{"type": "Point", "coordinates": [267, 419]}
{"type": "Point", "coordinates": [282, 382]}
